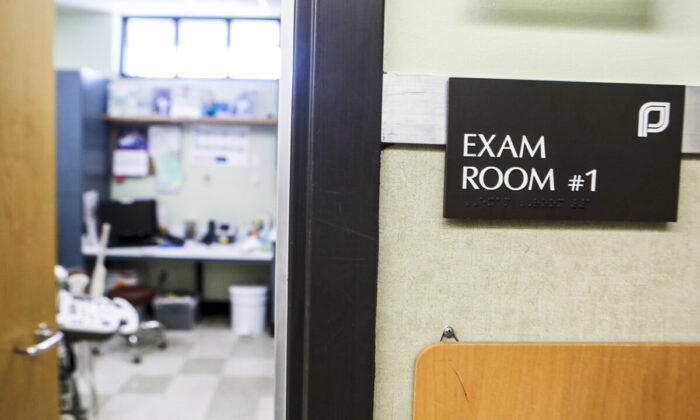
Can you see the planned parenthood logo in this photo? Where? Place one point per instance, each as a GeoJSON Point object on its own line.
{"type": "Point", "coordinates": [646, 127]}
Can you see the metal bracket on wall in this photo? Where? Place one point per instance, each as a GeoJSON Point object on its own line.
{"type": "Point", "coordinates": [414, 111]}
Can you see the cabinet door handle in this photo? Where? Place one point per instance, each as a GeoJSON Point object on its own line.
{"type": "Point", "coordinates": [49, 340]}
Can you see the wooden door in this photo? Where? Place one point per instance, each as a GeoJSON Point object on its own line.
{"type": "Point", "coordinates": [29, 384]}
{"type": "Point", "coordinates": [553, 381]}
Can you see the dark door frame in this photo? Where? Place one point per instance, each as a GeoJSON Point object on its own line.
{"type": "Point", "coordinates": [334, 200]}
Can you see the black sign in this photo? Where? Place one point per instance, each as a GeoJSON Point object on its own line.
{"type": "Point", "coordinates": [562, 150]}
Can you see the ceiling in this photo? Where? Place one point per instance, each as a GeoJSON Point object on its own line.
{"type": "Point", "coordinates": [244, 8]}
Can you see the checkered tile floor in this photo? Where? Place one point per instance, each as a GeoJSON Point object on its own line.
{"type": "Point", "coordinates": [206, 373]}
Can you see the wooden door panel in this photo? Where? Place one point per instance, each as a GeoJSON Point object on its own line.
{"type": "Point", "coordinates": [555, 381]}
{"type": "Point", "coordinates": [29, 385]}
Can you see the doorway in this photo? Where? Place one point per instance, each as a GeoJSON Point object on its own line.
{"type": "Point", "coordinates": [185, 115]}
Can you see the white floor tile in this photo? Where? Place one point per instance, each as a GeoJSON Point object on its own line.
{"type": "Point", "coordinates": [266, 408]}
{"type": "Point", "coordinates": [151, 364]}
{"type": "Point", "coordinates": [212, 343]}
{"type": "Point", "coordinates": [146, 384]}
{"type": "Point", "coordinates": [203, 366]}
{"type": "Point", "coordinates": [188, 397]}
{"type": "Point", "coordinates": [250, 367]}
{"type": "Point", "coordinates": [109, 378]}
{"type": "Point", "coordinates": [123, 407]}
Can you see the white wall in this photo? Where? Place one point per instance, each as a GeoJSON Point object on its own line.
{"type": "Point", "coordinates": [86, 39]}
{"type": "Point", "coordinates": [453, 37]}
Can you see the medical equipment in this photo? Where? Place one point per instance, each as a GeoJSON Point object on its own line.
{"type": "Point", "coordinates": [85, 319]}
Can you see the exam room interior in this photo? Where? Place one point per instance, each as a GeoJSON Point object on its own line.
{"type": "Point", "coordinates": [207, 372]}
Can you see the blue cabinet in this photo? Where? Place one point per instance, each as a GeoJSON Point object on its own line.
{"type": "Point", "coordinates": [82, 154]}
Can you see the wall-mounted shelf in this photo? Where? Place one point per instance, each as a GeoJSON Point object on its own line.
{"type": "Point", "coordinates": [153, 119]}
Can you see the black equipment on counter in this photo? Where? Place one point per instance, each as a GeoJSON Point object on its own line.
{"type": "Point", "coordinates": [133, 223]}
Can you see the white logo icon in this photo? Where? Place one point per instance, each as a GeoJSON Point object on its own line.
{"type": "Point", "coordinates": [645, 127]}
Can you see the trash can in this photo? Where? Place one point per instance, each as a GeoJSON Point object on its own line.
{"type": "Point", "coordinates": [248, 309]}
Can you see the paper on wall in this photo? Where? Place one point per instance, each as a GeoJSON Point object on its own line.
{"type": "Point", "coordinates": [169, 173]}
{"type": "Point", "coordinates": [219, 146]}
{"type": "Point", "coordinates": [164, 138]}
{"type": "Point", "coordinates": [128, 162]}
{"type": "Point", "coordinates": [164, 143]}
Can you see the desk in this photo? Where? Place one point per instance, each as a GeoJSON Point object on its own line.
{"type": "Point", "coordinates": [191, 251]}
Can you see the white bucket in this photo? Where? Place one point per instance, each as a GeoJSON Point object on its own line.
{"type": "Point", "coordinates": [248, 309]}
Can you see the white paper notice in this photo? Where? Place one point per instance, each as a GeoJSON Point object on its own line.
{"type": "Point", "coordinates": [164, 146]}
{"type": "Point", "coordinates": [127, 162]}
{"type": "Point", "coordinates": [164, 138]}
{"type": "Point", "coordinates": [219, 146]}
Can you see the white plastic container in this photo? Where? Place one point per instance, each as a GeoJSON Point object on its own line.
{"type": "Point", "coordinates": [248, 305]}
